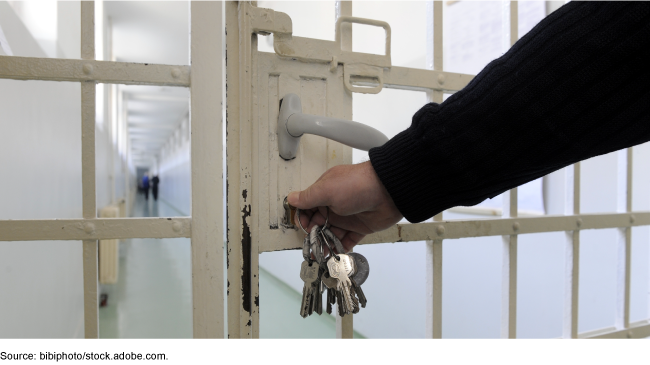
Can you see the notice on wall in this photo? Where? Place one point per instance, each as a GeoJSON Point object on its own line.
{"type": "Point", "coordinates": [5, 50]}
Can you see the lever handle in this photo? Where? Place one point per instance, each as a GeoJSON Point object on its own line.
{"type": "Point", "coordinates": [292, 124]}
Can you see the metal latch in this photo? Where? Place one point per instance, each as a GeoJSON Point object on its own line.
{"type": "Point", "coordinates": [357, 66]}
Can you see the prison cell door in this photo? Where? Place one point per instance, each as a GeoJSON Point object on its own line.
{"type": "Point", "coordinates": [324, 74]}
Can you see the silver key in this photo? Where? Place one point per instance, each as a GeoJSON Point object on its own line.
{"type": "Point", "coordinates": [340, 269]}
{"type": "Point", "coordinates": [315, 244]}
{"type": "Point", "coordinates": [359, 292]}
{"type": "Point", "coordinates": [308, 274]}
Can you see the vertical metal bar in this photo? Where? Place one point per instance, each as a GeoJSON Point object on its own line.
{"type": "Point", "coordinates": [91, 323]}
{"type": "Point", "coordinates": [206, 155]}
{"type": "Point", "coordinates": [344, 325]}
{"type": "Point", "coordinates": [509, 263]}
{"type": "Point", "coordinates": [509, 270]}
{"type": "Point", "coordinates": [234, 255]}
{"type": "Point", "coordinates": [624, 240]}
{"type": "Point", "coordinates": [572, 249]}
{"type": "Point", "coordinates": [239, 160]}
{"type": "Point", "coordinates": [434, 61]}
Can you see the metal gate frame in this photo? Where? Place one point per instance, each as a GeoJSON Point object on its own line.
{"type": "Point", "coordinates": [243, 23]}
{"type": "Point", "coordinates": [204, 227]}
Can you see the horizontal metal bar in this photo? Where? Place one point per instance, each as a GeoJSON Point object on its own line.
{"type": "Point", "coordinates": [640, 329]}
{"type": "Point", "coordinates": [497, 227]}
{"type": "Point", "coordinates": [291, 239]}
{"type": "Point", "coordinates": [94, 229]}
{"type": "Point", "coordinates": [421, 79]}
{"type": "Point", "coordinates": [108, 72]}
{"type": "Point", "coordinates": [495, 212]}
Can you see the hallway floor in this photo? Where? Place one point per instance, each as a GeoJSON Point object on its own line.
{"type": "Point", "coordinates": [153, 295]}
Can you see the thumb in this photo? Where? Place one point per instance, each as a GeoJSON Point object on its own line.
{"type": "Point", "coordinates": [314, 196]}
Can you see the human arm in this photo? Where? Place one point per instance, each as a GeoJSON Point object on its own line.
{"type": "Point", "coordinates": [574, 87]}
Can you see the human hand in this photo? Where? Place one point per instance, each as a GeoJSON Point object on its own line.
{"type": "Point", "coordinates": [358, 203]}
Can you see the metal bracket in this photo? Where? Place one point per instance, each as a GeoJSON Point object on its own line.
{"type": "Point", "coordinates": [358, 68]}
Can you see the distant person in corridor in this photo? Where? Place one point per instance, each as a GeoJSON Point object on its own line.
{"type": "Point", "coordinates": [145, 185]}
{"type": "Point", "coordinates": [154, 187]}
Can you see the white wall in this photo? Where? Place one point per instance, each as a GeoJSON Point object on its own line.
{"type": "Point", "coordinates": [40, 155]}
{"type": "Point", "coordinates": [175, 171]}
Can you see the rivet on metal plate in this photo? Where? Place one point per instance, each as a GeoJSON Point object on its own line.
{"type": "Point", "coordinates": [515, 226]}
{"type": "Point", "coordinates": [440, 230]}
{"type": "Point", "coordinates": [579, 222]}
{"type": "Point", "coordinates": [88, 68]}
{"type": "Point", "coordinates": [176, 73]}
{"type": "Point", "coordinates": [632, 218]}
{"type": "Point", "coordinates": [176, 226]}
{"type": "Point", "coordinates": [89, 227]}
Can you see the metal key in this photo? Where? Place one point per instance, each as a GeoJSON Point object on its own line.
{"type": "Point", "coordinates": [308, 274]}
{"type": "Point", "coordinates": [359, 292]}
{"type": "Point", "coordinates": [340, 269]}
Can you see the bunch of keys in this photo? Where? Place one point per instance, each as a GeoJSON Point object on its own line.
{"type": "Point", "coordinates": [342, 274]}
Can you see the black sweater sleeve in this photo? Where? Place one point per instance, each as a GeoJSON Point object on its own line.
{"type": "Point", "coordinates": [576, 86]}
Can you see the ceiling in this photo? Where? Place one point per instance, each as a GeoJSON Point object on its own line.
{"type": "Point", "coordinates": [151, 32]}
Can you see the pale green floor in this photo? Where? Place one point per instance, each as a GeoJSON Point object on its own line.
{"type": "Point", "coordinates": [153, 295]}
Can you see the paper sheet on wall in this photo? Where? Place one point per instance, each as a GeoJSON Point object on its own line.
{"type": "Point", "coordinates": [5, 50]}
{"type": "Point", "coordinates": [474, 37]}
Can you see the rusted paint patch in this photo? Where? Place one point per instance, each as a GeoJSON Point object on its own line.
{"type": "Point", "coordinates": [246, 250]}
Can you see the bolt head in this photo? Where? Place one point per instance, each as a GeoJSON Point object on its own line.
{"type": "Point", "coordinates": [632, 218]}
{"type": "Point", "coordinates": [441, 79]}
{"type": "Point", "coordinates": [88, 68]}
{"type": "Point", "coordinates": [515, 226]}
{"type": "Point", "coordinates": [176, 73]}
{"type": "Point", "coordinates": [89, 227]}
{"type": "Point", "coordinates": [176, 226]}
{"type": "Point", "coordinates": [579, 222]}
{"type": "Point", "coordinates": [440, 230]}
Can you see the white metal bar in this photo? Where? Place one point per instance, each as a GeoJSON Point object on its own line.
{"type": "Point", "coordinates": [94, 229]}
{"type": "Point", "coordinates": [509, 258]}
{"type": "Point", "coordinates": [454, 229]}
{"type": "Point", "coordinates": [232, 145]}
{"type": "Point", "coordinates": [572, 249]}
{"type": "Point", "coordinates": [87, 69]}
{"type": "Point", "coordinates": [640, 329]}
{"type": "Point", "coordinates": [206, 150]}
{"type": "Point", "coordinates": [624, 240]}
{"type": "Point", "coordinates": [344, 325]}
{"type": "Point", "coordinates": [434, 289]}
{"type": "Point", "coordinates": [434, 63]}
{"type": "Point", "coordinates": [499, 227]}
{"type": "Point", "coordinates": [509, 270]}
{"type": "Point", "coordinates": [420, 79]}
{"type": "Point", "coordinates": [90, 269]}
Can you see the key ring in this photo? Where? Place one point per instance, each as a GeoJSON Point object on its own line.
{"type": "Point", "coordinates": [329, 246]}
{"type": "Point", "coordinates": [327, 218]}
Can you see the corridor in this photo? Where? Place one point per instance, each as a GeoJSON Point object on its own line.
{"type": "Point", "coordinates": [153, 295]}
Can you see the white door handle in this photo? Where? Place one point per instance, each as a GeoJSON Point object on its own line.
{"type": "Point", "coordinates": [292, 124]}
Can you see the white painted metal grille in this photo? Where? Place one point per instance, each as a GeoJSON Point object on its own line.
{"type": "Point", "coordinates": [249, 234]}
{"type": "Point", "coordinates": [204, 227]}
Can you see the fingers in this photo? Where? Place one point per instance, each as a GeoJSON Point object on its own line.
{"type": "Point", "coordinates": [315, 195]}
{"type": "Point", "coordinates": [351, 239]}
